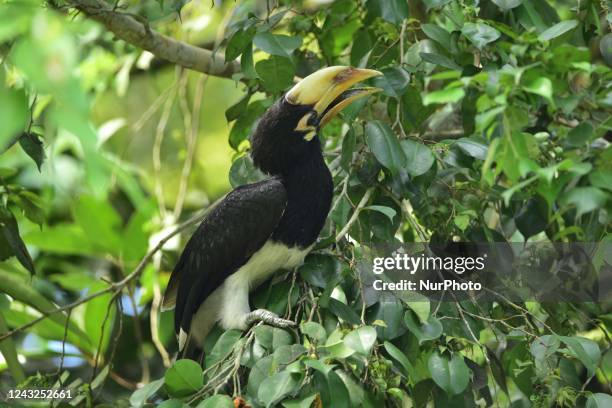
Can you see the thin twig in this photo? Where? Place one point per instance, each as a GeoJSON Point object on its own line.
{"type": "Point", "coordinates": [191, 126]}
{"type": "Point", "coordinates": [101, 340]}
{"type": "Point", "coordinates": [156, 151]}
{"type": "Point", "coordinates": [144, 363]}
{"type": "Point", "coordinates": [154, 323]}
{"type": "Point", "coordinates": [120, 284]}
{"type": "Point", "coordinates": [351, 221]}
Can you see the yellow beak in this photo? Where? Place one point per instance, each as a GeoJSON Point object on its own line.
{"type": "Point", "coordinates": [327, 90]}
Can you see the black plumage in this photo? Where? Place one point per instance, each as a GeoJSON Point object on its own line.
{"type": "Point", "coordinates": [261, 227]}
{"type": "Point", "coordinates": [236, 228]}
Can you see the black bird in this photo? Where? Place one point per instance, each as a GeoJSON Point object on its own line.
{"type": "Point", "coordinates": [262, 227]}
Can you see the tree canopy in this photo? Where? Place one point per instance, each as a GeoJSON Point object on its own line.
{"type": "Point", "coordinates": [122, 122]}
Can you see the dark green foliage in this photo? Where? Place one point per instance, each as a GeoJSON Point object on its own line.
{"type": "Point", "coordinates": [493, 125]}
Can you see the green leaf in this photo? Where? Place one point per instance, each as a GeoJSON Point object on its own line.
{"type": "Point", "coordinates": [386, 315]}
{"type": "Point", "coordinates": [401, 358]}
{"type": "Point", "coordinates": [31, 144]}
{"type": "Point", "coordinates": [141, 395]}
{"type": "Point", "coordinates": [302, 402]}
{"type": "Point", "coordinates": [544, 347]}
{"type": "Point", "coordinates": [272, 338]}
{"type": "Point", "coordinates": [421, 307]}
{"type": "Point", "coordinates": [314, 330]}
{"type": "Point", "coordinates": [557, 30]}
{"type": "Point", "coordinates": [332, 390]}
{"type": "Point", "coordinates": [394, 11]}
{"type": "Point", "coordinates": [343, 311]}
{"type": "Point", "coordinates": [238, 43]}
{"type": "Point", "coordinates": [419, 157]}
{"type": "Point", "coordinates": [275, 388]}
{"type": "Point", "coordinates": [435, 3]}
{"type": "Point", "coordinates": [13, 114]}
{"type": "Point", "coordinates": [61, 239]}
{"type": "Point", "coordinates": [472, 147]}
{"type": "Point", "coordinates": [24, 292]}
{"type": "Point", "coordinates": [507, 4]}
{"type": "Point", "coordinates": [430, 330]}
{"type": "Point", "coordinates": [9, 352]}
{"type": "Point", "coordinates": [15, 19]}
{"type": "Point", "coordinates": [9, 231]}
{"type": "Point", "coordinates": [99, 220]}
{"type": "Point", "coordinates": [586, 199]}
{"type": "Point", "coordinates": [100, 377]}
{"type": "Point", "coordinates": [414, 113]}
{"type": "Point", "coordinates": [599, 400]}
{"type": "Point", "coordinates": [394, 81]}
{"type": "Point", "coordinates": [336, 350]}
{"type": "Point", "coordinates": [385, 145]}
{"type": "Point", "coordinates": [532, 218]}
{"type": "Point", "coordinates": [243, 171]}
{"type": "Point", "coordinates": [245, 123]}
{"type": "Point", "coordinates": [462, 221]}
{"type": "Point", "coordinates": [601, 178]}
{"type": "Point", "coordinates": [319, 269]}
{"type": "Point", "coordinates": [183, 378]}
{"type": "Point", "coordinates": [262, 369]}
{"type": "Point", "coordinates": [31, 206]}
{"type": "Point", "coordinates": [497, 370]}
{"type": "Point", "coordinates": [348, 147]}
{"type": "Point", "coordinates": [585, 350]}
{"type": "Point", "coordinates": [95, 314]}
{"type": "Point", "coordinates": [356, 391]}
{"type": "Point", "coordinates": [540, 86]}
{"type": "Point", "coordinates": [361, 340]}
{"type": "Point", "coordinates": [237, 109]}
{"type": "Point", "coordinates": [275, 44]}
{"type": "Point", "coordinates": [388, 211]}
{"type": "Point", "coordinates": [276, 73]}
{"type": "Point", "coordinates": [438, 34]}
{"type": "Point", "coordinates": [286, 354]}
{"type": "Point", "coordinates": [449, 95]}
{"type": "Point", "coordinates": [480, 34]}
{"type": "Point", "coordinates": [172, 403]}
{"type": "Point", "coordinates": [216, 401]}
{"type": "Point", "coordinates": [223, 346]}
{"type": "Point", "coordinates": [581, 134]}
{"type": "Point", "coordinates": [439, 59]}
{"type": "Point", "coordinates": [246, 62]}
{"type": "Point", "coordinates": [452, 376]}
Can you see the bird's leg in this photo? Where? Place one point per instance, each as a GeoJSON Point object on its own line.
{"type": "Point", "coordinates": [266, 316]}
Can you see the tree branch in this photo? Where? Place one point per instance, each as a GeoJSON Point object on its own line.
{"type": "Point", "coordinates": [129, 29]}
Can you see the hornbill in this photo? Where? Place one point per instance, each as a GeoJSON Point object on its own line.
{"type": "Point", "coordinates": [262, 227]}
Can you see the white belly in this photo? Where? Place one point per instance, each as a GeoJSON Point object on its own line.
{"type": "Point", "coordinates": [270, 258]}
{"type": "Point", "coordinates": [229, 303]}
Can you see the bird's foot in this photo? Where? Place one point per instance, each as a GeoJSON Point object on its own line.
{"type": "Point", "coordinates": [262, 315]}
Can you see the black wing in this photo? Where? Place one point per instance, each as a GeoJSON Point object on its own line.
{"type": "Point", "coordinates": [233, 231]}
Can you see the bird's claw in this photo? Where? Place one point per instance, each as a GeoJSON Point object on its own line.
{"type": "Point", "coordinates": [267, 317]}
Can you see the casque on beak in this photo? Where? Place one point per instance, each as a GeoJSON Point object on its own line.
{"type": "Point", "coordinates": [327, 91]}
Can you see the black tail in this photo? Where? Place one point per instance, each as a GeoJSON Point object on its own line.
{"type": "Point", "coordinates": [192, 350]}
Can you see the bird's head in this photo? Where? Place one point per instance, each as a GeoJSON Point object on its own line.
{"type": "Point", "coordinates": [288, 130]}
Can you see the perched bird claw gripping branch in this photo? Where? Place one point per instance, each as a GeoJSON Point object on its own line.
{"type": "Point", "coordinates": [260, 228]}
{"type": "Point", "coordinates": [266, 316]}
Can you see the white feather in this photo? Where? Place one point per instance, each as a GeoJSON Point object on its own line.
{"type": "Point", "coordinates": [229, 303]}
